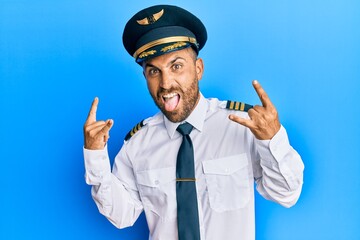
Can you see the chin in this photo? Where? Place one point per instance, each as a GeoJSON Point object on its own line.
{"type": "Point", "coordinates": [174, 116]}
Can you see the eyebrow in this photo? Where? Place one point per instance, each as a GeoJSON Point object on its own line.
{"type": "Point", "coordinates": [167, 65]}
{"type": "Point", "coordinates": [174, 60]}
{"type": "Point", "coordinates": [148, 65]}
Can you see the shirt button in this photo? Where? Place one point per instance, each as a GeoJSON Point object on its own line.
{"type": "Point", "coordinates": [157, 182]}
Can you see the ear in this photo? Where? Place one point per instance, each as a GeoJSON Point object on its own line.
{"type": "Point", "coordinates": [199, 65]}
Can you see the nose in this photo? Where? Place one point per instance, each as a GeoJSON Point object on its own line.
{"type": "Point", "coordinates": [166, 80]}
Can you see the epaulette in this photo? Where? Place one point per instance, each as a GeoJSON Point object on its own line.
{"type": "Point", "coordinates": [134, 130]}
{"type": "Point", "coordinates": [239, 106]}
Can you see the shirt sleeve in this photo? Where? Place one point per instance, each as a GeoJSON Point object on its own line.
{"type": "Point", "coordinates": [279, 172]}
{"type": "Point", "coordinates": [117, 202]}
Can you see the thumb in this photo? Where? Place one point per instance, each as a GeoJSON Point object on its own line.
{"type": "Point", "coordinates": [242, 121]}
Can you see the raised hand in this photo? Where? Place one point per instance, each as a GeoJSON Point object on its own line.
{"type": "Point", "coordinates": [96, 133]}
{"type": "Point", "coordinates": [264, 120]}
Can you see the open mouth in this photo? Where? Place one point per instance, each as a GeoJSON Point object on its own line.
{"type": "Point", "coordinates": [171, 100]}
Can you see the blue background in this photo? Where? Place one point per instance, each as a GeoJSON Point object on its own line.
{"type": "Point", "coordinates": [56, 56]}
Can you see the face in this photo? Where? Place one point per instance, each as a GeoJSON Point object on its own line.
{"type": "Point", "coordinates": [173, 82]}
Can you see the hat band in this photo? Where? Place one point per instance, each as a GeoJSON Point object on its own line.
{"type": "Point", "coordinates": [163, 41]}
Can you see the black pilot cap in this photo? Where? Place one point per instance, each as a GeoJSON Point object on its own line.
{"type": "Point", "coordinates": [161, 29]}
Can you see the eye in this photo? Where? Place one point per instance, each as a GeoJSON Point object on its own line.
{"type": "Point", "coordinates": [153, 71]}
{"type": "Point", "coordinates": [177, 66]}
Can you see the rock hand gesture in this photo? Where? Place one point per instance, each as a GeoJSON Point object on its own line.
{"type": "Point", "coordinates": [96, 133]}
{"type": "Point", "coordinates": [264, 120]}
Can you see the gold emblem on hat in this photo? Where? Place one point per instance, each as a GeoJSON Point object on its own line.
{"type": "Point", "coordinates": [148, 53]}
{"type": "Point", "coordinates": [151, 19]}
{"type": "Point", "coordinates": [173, 46]}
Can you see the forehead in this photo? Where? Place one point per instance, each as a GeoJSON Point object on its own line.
{"type": "Point", "coordinates": [167, 58]}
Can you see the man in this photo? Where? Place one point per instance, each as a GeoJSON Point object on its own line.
{"type": "Point", "coordinates": [191, 167]}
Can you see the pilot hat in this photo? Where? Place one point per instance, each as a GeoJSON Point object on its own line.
{"type": "Point", "coordinates": [161, 29]}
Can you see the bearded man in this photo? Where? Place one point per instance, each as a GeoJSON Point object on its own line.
{"type": "Point", "coordinates": [191, 168]}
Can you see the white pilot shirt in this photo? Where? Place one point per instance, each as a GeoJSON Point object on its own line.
{"type": "Point", "coordinates": [228, 159]}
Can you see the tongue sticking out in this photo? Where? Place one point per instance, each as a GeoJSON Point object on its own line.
{"type": "Point", "coordinates": [171, 103]}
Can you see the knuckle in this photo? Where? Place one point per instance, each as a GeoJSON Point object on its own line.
{"type": "Point", "coordinates": [86, 128]}
{"type": "Point", "coordinates": [261, 122]}
{"type": "Point", "coordinates": [257, 107]}
{"type": "Point", "coordinates": [251, 114]}
{"type": "Point", "coordinates": [252, 110]}
{"type": "Point", "coordinates": [92, 133]}
{"type": "Point", "coordinates": [267, 116]}
{"type": "Point", "coordinates": [274, 112]}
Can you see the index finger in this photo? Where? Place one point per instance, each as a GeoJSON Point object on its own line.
{"type": "Point", "coordinates": [264, 98]}
{"type": "Point", "coordinates": [92, 113]}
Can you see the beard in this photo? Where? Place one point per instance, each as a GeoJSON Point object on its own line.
{"type": "Point", "coordinates": [189, 98]}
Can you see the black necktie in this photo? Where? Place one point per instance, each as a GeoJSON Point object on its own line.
{"type": "Point", "coordinates": [187, 208]}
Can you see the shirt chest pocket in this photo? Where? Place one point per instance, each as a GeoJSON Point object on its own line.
{"type": "Point", "coordinates": [158, 191]}
{"type": "Point", "coordinates": [227, 181]}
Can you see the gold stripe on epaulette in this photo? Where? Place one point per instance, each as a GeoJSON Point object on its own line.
{"type": "Point", "coordinates": [134, 130]}
{"type": "Point", "coordinates": [242, 106]}
{"type": "Point", "coordinates": [231, 105]}
{"type": "Point", "coordinates": [238, 106]}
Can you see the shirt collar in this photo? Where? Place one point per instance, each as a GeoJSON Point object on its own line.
{"type": "Point", "coordinates": [196, 118]}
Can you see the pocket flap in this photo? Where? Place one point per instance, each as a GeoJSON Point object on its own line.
{"type": "Point", "coordinates": [156, 177]}
{"type": "Point", "coordinates": [225, 166]}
